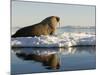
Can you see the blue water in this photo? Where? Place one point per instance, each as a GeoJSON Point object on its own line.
{"type": "Point", "coordinates": [26, 60]}
{"type": "Point", "coordinates": [32, 60]}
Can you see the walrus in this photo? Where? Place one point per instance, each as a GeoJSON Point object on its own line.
{"type": "Point", "coordinates": [45, 27]}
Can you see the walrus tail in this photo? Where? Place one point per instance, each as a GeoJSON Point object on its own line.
{"type": "Point", "coordinates": [13, 36]}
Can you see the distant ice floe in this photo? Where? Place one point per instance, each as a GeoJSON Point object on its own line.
{"type": "Point", "coordinates": [61, 40]}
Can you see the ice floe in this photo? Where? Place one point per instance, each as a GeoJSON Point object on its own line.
{"type": "Point", "coordinates": [61, 40]}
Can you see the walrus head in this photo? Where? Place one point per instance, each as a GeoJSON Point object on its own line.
{"type": "Point", "coordinates": [51, 21]}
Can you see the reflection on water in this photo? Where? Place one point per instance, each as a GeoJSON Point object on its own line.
{"type": "Point", "coordinates": [47, 58]}
{"type": "Point", "coordinates": [52, 59]}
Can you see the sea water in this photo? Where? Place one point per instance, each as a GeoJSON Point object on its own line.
{"type": "Point", "coordinates": [34, 60]}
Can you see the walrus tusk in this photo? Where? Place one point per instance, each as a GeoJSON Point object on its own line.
{"type": "Point", "coordinates": [59, 24]}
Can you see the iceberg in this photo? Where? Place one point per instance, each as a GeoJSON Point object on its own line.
{"type": "Point", "coordinates": [61, 40]}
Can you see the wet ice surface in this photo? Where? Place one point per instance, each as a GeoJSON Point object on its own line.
{"type": "Point", "coordinates": [61, 40]}
{"type": "Point", "coordinates": [34, 60]}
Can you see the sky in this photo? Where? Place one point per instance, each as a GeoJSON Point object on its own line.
{"type": "Point", "coordinates": [25, 13]}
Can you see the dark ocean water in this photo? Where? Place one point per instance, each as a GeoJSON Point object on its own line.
{"type": "Point", "coordinates": [34, 60]}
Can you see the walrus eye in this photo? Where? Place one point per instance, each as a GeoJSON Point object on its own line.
{"type": "Point", "coordinates": [58, 19]}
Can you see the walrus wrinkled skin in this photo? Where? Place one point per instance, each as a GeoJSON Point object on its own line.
{"type": "Point", "coordinates": [45, 27]}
